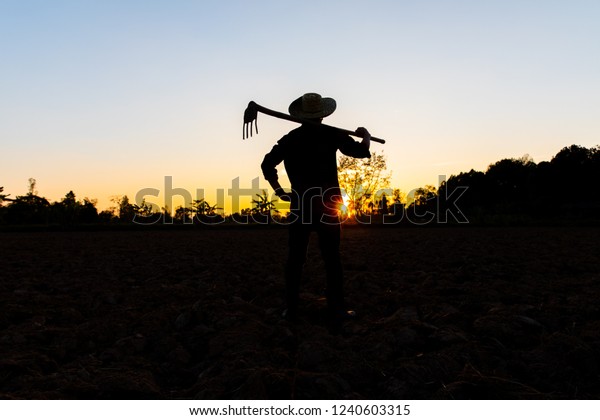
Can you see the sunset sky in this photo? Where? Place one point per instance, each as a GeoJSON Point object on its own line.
{"type": "Point", "coordinates": [108, 97]}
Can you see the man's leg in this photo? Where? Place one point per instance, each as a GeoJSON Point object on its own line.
{"type": "Point", "coordinates": [329, 242]}
{"type": "Point", "coordinates": [297, 248]}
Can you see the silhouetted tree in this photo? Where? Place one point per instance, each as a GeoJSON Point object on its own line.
{"type": "Point", "coordinates": [205, 212]}
{"type": "Point", "coordinates": [574, 173]}
{"type": "Point", "coordinates": [145, 214]}
{"type": "Point", "coordinates": [573, 168]}
{"type": "Point", "coordinates": [88, 213]}
{"type": "Point", "coordinates": [31, 189]}
{"type": "Point", "coordinates": [29, 208]}
{"type": "Point", "coordinates": [396, 209]}
{"type": "Point", "coordinates": [362, 180]}
{"type": "Point", "coordinates": [475, 199]}
{"type": "Point", "coordinates": [3, 197]}
{"type": "Point", "coordinates": [382, 206]}
{"type": "Point", "coordinates": [66, 211]}
{"type": "Point", "coordinates": [509, 181]}
{"type": "Point", "coordinates": [263, 208]}
{"type": "Point", "coordinates": [423, 205]}
{"type": "Point", "coordinates": [183, 214]}
{"type": "Point", "coordinates": [478, 190]}
{"type": "Point", "coordinates": [143, 209]}
{"type": "Point", "coordinates": [126, 210]}
{"type": "Point", "coordinates": [69, 211]}
{"type": "Point", "coordinates": [107, 216]}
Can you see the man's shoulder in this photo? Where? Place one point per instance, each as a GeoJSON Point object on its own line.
{"type": "Point", "coordinates": [318, 130]}
{"type": "Point", "coordinates": [293, 135]}
{"type": "Point", "coordinates": [303, 130]}
{"type": "Point", "coordinates": [315, 136]}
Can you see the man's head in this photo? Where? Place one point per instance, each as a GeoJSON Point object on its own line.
{"type": "Point", "coordinates": [312, 106]}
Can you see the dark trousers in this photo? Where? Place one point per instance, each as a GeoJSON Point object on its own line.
{"type": "Point", "coordinates": [329, 244]}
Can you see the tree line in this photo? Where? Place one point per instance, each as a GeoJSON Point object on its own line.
{"type": "Point", "coordinates": [510, 190]}
{"type": "Point", "coordinates": [565, 188]}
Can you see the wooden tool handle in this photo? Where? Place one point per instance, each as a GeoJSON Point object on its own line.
{"type": "Point", "coordinates": [283, 116]}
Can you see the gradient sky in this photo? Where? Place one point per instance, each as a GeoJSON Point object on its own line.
{"type": "Point", "coordinates": [107, 97]}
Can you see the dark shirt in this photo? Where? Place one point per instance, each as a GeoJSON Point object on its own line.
{"type": "Point", "coordinates": [309, 157]}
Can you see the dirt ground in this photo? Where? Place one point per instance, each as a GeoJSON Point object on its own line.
{"type": "Point", "coordinates": [464, 313]}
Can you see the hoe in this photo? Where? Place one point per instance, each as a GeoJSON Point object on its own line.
{"type": "Point", "coordinates": [251, 116]}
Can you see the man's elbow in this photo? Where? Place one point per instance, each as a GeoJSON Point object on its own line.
{"type": "Point", "coordinates": [365, 151]}
{"type": "Point", "coordinates": [269, 172]}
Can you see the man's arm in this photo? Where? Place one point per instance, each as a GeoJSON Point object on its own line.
{"type": "Point", "coordinates": [353, 148]}
{"type": "Point", "coordinates": [279, 191]}
{"type": "Point", "coordinates": [364, 133]}
{"type": "Point", "coordinates": [268, 166]}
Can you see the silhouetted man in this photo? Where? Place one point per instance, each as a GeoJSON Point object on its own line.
{"type": "Point", "coordinates": [309, 156]}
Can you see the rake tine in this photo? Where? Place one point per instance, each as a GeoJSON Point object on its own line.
{"type": "Point", "coordinates": [247, 129]}
{"type": "Point", "coordinates": [250, 116]}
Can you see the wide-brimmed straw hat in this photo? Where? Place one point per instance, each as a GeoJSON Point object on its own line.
{"type": "Point", "coordinates": [312, 105]}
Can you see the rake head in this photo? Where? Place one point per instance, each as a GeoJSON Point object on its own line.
{"type": "Point", "coordinates": [250, 116]}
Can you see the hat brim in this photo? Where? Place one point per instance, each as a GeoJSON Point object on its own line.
{"type": "Point", "coordinates": [296, 110]}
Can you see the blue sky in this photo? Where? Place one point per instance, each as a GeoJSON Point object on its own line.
{"type": "Point", "coordinates": [109, 97]}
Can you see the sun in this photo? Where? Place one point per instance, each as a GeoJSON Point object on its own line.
{"type": "Point", "coordinates": [345, 210]}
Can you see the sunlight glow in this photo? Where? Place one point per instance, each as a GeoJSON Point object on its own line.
{"type": "Point", "coordinates": [345, 210]}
